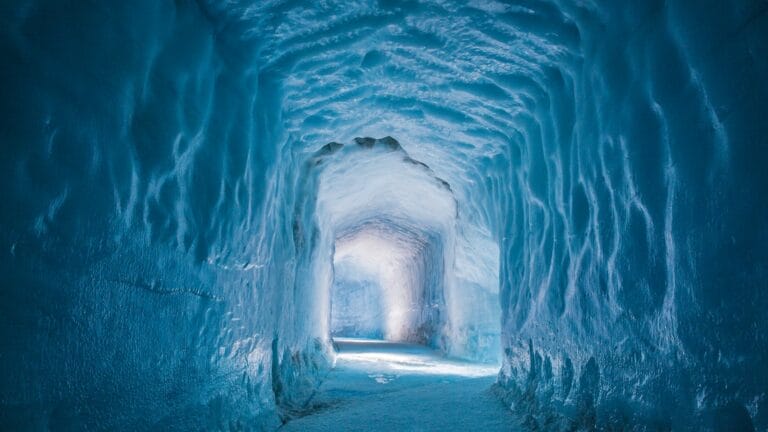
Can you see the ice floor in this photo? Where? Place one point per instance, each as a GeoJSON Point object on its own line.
{"type": "Point", "coordinates": [385, 386]}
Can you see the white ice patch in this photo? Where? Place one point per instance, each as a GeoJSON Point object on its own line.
{"type": "Point", "coordinates": [381, 378]}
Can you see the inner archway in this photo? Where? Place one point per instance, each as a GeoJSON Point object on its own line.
{"type": "Point", "coordinates": [379, 288]}
{"type": "Point", "coordinates": [404, 263]}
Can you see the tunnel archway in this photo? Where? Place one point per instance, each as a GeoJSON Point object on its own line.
{"type": "Point", "coordinates": [387, 273]}
{"type": "Point", "coordinates": [446, 292]}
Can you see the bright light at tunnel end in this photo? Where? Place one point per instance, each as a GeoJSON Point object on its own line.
{"type": "Point", "coordinates": [401, 269]}
{"type": "Point", "coordinates": [374, 355]}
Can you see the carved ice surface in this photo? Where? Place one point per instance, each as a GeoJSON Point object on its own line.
{"type": "Point", "coordinates": [198, 194]}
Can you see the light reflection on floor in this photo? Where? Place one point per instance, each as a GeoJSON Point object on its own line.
{"type": "Point", "coordinates": [385, 386]}
{"type": "Point", "coordinates": [400, 358]}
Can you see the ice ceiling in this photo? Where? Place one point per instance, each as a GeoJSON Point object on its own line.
{"type": "Point", "coordinates": [576, 187]}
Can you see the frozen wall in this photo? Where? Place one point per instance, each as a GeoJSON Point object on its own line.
{"type": "Point", "coordinates": [635, 242]}
{"type": "Point", "coordinates": [138, 279]}
{"type": "Point", "coordinates": [166, 251]}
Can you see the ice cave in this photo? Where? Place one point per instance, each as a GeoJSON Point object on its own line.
{"type": "Point", "coordinates": [384, 215]}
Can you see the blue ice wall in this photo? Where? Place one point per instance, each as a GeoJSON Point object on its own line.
{"type": "Point", "coordinates": [160, 259]}
{"type": "Point", "coordinates": [137, 282]}
{"type": "Point", "coordinates": [633, 294]}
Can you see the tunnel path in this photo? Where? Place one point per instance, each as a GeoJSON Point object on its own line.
{"type": "Point", "coordinates": [382, 386]}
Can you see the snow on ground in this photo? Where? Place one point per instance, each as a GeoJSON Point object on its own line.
{"type": "Point", "coordinates": [385, 386]}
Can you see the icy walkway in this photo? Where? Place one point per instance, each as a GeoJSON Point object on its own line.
{"type": "Point", "coordinates": [381, 386]}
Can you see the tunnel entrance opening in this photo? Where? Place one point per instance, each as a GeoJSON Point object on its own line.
{"type": "Point", "coordinates": [365, 275]}
{"type": "Point", "coordinates": [382, 287]}
{"type": "Point", "coordinates": [394, 257]}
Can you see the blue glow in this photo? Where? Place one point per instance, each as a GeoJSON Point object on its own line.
{"type": "Point", "coordinates": [198, 195]}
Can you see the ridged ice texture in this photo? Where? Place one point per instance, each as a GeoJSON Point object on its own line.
{"type": "Point", "coordinates": [135, 265]}
{"type": "Point", "coordinates": [155, 159]}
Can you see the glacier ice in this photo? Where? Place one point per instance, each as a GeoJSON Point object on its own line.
{"type": "Point", "coordinates": [198, 194]}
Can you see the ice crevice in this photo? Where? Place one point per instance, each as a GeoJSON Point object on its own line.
{"type": "Point", "coordinates": [200, 196]}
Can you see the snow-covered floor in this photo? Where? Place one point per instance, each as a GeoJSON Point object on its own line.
{"type": "Point", "coordinates": [384, 386]}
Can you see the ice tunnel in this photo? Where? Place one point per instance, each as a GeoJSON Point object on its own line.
{"type": "Point", "coordinates": [199, 196]}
